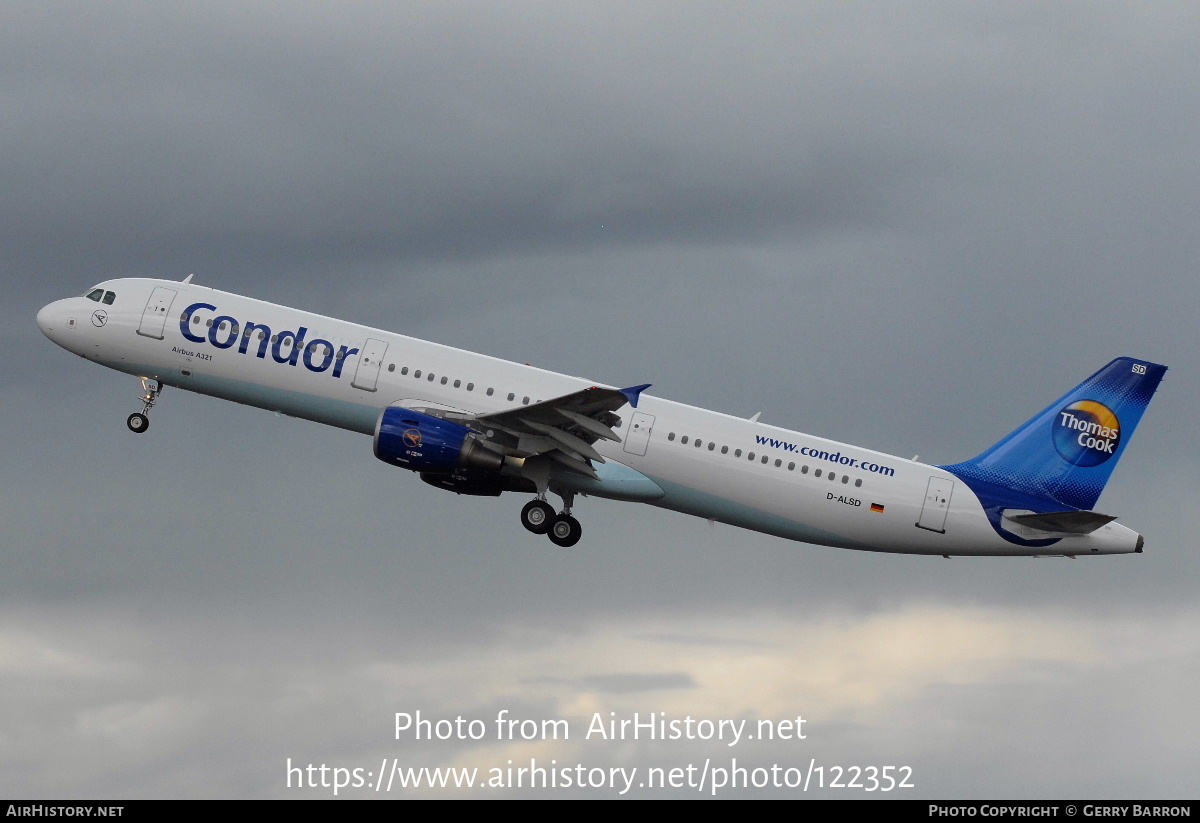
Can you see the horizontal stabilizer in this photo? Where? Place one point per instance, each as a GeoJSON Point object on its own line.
{"type": "Point", "coordinates": [1069, 522]}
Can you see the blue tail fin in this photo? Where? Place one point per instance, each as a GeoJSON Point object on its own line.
{"type": "Point", "coordinates": [1062, 458]}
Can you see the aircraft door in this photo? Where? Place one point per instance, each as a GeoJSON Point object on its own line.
{"type": "Point", "coordinates": [367, 374]}
{"type": "Point", "coordinates": [937, 504]}
{"type": "Point", "coordinates": [154, 316]}
{"type": "Point", "coordinates": [638, 436]}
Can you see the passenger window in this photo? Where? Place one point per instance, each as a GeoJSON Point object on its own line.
{"type": "Point", "coordinates": [817, 473]}
{"type": "Point", "coordinates": [429, 377]}
{"type": "Point", "coordinates": [416, 374]}
{"type": "Point", "coordinates": [470, 387]}
{"type": "Point", "coordinates": [845, 479]}
{"type": "Point", "coordinates": [737, 452]}
{"type": "Point", "coordinates": [724, 450]}
{"type": "Point", "coordinates": [778, 463]}
{"type": "Point", "coordinates": [804, 469]}
{"type": "Point", "coordinates": [699, 442]}
{"type": "Point", "coordinates": [765, 459]}
{"type": "Point", "coordinates": [683, 440]}
{"type": "Point", "coordinates": [457, 383]}
{"type": "Point", "coordinates": [858, 482]}
{"type": "Point", "coordinates": [832, 476]}
{"type": "Point", "coordinates": [791, 467]}
{"type": "Point", "coordinates": [490, 392]}
{"type": "Point", "coordinates": [183, 318]}
{"type": "Point", "coordinates": [391, 366]}
{"type": "Point", "coordinates": [750, 456]}
{"type": "Point", "coordinates": [404, 370]}
{"type": "Point", "coordinates": [109, 297]}
{"type": "Point", "coordinates": [444, 381]}
{"type": "Point", "coordinates": [511, 396]}
{"type": "Point", "coordinates": [671, 436]}
{"type": "Point", "coordinates": [711, 445]}
{"type": "Point", "coordinates": [525, 401]}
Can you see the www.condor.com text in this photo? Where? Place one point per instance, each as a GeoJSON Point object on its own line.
{"type": "Point", "coordinates": [704, 778]}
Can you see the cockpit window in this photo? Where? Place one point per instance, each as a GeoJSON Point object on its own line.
{"type": "Point", "coordinates": [109, 297]}
{"type": "Point", "coordinates": [95, 294]}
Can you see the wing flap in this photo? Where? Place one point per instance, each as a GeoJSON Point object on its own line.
{"type": "Point", "coordinates": [564, 428]}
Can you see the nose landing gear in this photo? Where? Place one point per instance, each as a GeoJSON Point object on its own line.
{"type": "Point", "coordinates": [138, 422]}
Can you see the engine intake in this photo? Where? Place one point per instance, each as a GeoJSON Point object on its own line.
{"type": "Point", "coordinates": [424, 443]}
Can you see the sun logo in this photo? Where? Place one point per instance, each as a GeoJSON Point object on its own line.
{"type": "Point", "coordinates": [1086, 433]}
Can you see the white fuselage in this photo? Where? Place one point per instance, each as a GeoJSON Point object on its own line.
{"type": "Point", "coordinates": [707, 464]}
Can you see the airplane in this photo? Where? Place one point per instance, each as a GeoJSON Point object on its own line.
{"type": "Point", "coordinates": [478, 425]}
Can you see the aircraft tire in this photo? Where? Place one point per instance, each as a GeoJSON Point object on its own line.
{"type": "Point", "coordinates": [537, 516]}
{"type": "Point", "coordinates": [565, 531]}
{"type": "Point", "coordinates": [137, 422]}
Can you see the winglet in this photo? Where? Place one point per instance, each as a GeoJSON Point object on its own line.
{"type": "Point", "coordinates": [634, 392]}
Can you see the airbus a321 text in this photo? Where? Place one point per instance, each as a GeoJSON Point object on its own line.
{"type": "Point", "coordinates": [478, 425]}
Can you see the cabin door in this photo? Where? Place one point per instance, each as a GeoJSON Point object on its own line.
{"type": "Point", "coordinates": [638, 436]}
{"type": "Point", "coordinates": [937, 504]}
{"type": "Point", "coordinates": [367, 374]}
{"type": "Point", "coordinates": [154, 316]}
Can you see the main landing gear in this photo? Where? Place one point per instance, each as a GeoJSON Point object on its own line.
{"type": "Point", "coordinates": [563, 530]}
{"type": "Point", "coordinates": [138, 422]}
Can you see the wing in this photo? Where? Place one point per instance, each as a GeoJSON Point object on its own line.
{"type": "Point", "coordinates": [562, 429]}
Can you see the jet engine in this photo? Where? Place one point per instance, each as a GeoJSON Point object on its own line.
{"type": "Point", "coordinates": [430, 445]}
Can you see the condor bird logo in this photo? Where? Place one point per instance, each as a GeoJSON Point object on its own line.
{"type": "Point", "coordinates": [99, 318]}
{"type": "Point", "coordinates": [412, 438]}
{"type": "Point", "coordinates": [1086, 433]}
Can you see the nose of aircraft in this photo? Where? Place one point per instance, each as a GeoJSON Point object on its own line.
{"type": "Point", "coordinates": [51, 319]}
{"type": "Point", "coordinates": [44, 319]}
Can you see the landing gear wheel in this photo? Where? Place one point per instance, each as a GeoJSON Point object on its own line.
{"type": "Point", "coordinates": [565, 531]}
{"type": "Point", "coordinates": [537, 516]}
{"type": "Point", "coordinates": [138, 422]}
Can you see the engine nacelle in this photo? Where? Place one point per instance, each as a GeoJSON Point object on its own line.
{"type": "Point", "coordinates": [424, 443]}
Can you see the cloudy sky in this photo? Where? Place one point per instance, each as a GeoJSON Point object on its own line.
{"type": "Point", "coordinates": [907, 226]}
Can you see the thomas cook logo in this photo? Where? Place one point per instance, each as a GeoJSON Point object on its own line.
{"type": "Point", "coordinates": [412, 438]}
{"type": "Point", "coordinates": [1086, 433]}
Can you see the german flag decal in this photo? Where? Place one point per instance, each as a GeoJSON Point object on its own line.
{"type": "Point", "coordinates": [877, 507]}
